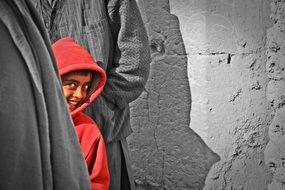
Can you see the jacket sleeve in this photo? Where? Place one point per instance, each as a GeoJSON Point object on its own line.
{"type": "Point", "coordinates": [131, 61]}
{"type": "Point", "coordinates": [98, 165]}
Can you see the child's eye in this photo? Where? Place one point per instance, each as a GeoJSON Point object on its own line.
{"type": "Point", "coordinates": [86, 87]}
{"type": "Point", "coordinates": [70, 85]}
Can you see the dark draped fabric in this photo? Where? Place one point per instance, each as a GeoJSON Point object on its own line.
{"type": "Point", "coordinates": [39, 147]}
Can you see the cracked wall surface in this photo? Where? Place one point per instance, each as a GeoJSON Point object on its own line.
{"type": "Point", "coordinates": [275, 151]}
{"type": "Point", "coordinates": [229, 53]}
{"type": "Point", "coordinates": [166, 153]}
{"type": "Point", "coordinates": [225, 42]}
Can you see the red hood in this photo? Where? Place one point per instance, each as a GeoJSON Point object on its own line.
{"type": "Point", "coordinates": [70, 57]}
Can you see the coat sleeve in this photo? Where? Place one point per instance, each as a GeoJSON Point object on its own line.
{"type": "Point", "coordinates": [130, 69]}
{"type": "Point", "coordinates": [98, 165]}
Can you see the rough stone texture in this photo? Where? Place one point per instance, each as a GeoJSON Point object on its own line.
{"type": "Point", "coordinates": [274, 154]}
{"type": "Point", "coordinates": [166, 153]}
{"type": "Point", "coordinates": [235, 93]}
{"type": "Point", "coordinates": [225, 42]}
{"type": "Point", "coordinates": [233, 54]}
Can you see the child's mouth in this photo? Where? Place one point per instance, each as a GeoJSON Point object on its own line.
{"type": "Point", "coordinates": [72, 105]}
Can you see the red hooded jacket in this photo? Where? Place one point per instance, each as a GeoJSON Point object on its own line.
{"type": "Point", "coordinates": [71, 57]}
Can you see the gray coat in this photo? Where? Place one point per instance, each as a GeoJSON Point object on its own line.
{"type": "Point", "coordinates": [39, 147]}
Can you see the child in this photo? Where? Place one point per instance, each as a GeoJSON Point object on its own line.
{"type": "Point", "coordinates": [82, 81]}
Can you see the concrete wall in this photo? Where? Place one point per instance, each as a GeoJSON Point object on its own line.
{"type": "Point", "coordinates": [231, 55]}
{"type": "Point", "coordinates": [167, 154]}
{"type": "Point", "coordinates": [275, 152]}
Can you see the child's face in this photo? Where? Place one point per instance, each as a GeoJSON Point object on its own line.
{"type": "Point", "coordinates": [75, 88]}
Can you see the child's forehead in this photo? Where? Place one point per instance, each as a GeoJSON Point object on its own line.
{"type": "Point", "coordinates": [78, 73]}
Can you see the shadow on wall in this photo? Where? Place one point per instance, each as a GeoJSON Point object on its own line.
{"type": "Point", "coordinates": [225, 41]}
{"type": "Point", "coordinates": [166, 153]}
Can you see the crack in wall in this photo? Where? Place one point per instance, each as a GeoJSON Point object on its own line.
{"type": "Point", "coordinates": [157, 122]}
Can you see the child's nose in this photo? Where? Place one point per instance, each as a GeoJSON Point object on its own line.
{"type": "Point", "coordinates": [78, 93]}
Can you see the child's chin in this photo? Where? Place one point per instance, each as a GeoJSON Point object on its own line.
{"type": "Point", "coordinates": [71, 108]}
